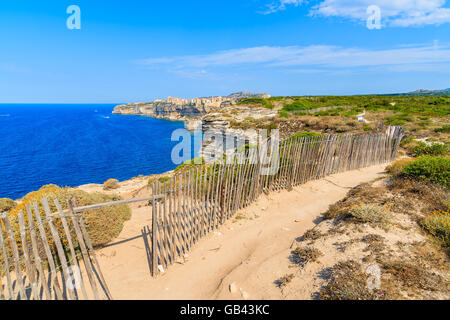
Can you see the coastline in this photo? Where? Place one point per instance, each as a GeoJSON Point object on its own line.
{"type": "Point", "coordinates": [108, 146]}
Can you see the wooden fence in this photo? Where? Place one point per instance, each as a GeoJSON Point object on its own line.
{"type": "Point", "coordinates": [42, 254]}
{"type": "Point", "coordinates": [199, 199]}
{"type": "Point", "coordinates": [41, 247]}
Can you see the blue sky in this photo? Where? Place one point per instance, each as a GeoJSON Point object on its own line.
{"type": "Point", "coordinates": [129, 51]}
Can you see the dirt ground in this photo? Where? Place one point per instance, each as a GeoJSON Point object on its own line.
{"type": "Point", "coordinates": [243, 259]}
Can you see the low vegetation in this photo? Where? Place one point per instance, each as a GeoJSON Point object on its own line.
{"type": "Point", "coordinates": [438, 225]}
{"type": "Point", "coordinates": [111, 184]}
{"type": "Point", "coordinates": [370, 213]}
{"type": "Point", "coordinates": [349, 282]}
{"type": "Point", "coordinates": [284, 280]}
{"type": "Point", "coordinates": [266, 103]}
{"type": "Point", "coordinates": [102, 225]}
{"type": "Point", "coordinates": [423, 117]}
{"type": "Point", "coordinates": [435, 149]}
{"type": "Point", "coordinates": [433, 169]}
{"type": "Point", "coordinates": [302, 256]}
{"type": "Point", "coordinates": [396, 167]}
{"type": "Point", "coordinates": [6, 204]}
{"type": "Point", "coordinates": [411, 255]}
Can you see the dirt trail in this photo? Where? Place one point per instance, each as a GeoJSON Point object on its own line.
{"type": "Point", "coordinates": [240, 260]}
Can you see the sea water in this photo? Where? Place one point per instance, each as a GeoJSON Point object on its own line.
{"type": "Point", "coordinates": [71, 145]}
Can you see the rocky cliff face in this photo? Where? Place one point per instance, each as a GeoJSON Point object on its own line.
{"type": "Point", "coordinates": [211, 116]}
{"type": "Point", "coordinates": [182, 109]}
{"type": "Point", "coordinates": [170, 111]}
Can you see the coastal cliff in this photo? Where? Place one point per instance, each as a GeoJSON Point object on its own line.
{"type": "Point", "coordinates": [163, 110]}
{"type": "Point", "coordinates": [213, 115]}
{"type": "Point", "coordinates": [183, 109]}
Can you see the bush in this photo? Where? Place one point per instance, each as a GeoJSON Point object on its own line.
{"type": "Point", "coordinates": [349, 282]}
{"type": "Point", "coordinates": [102, 225]}
{"type": "Point", "coordinates": [407, 140]}
{"type": "Point", "coordinates": [444, 129]}
{"type": "Point", "coordinates": [370, 213]}
{"type": "Point", "coordinates": [199, 161]}
{"type": "Point", "coordinates": [6, 204]}
{"type": "Point", "coordinates": [398, 120]}
{"type": "Point", "coordinates": [262, 101]}
{"type": "Point", "coordinates": [283, 114]}
{"type": "Point", "coordinates": [111, 184]}
{"type": "Point", "coordinates": [436, 149]}
{"type": "Point", "coordinates": [434, 169]}
{"type": "Point", "coordinates": [438, 224]}
{"type": "Point", "coordinates": [297, 105]}
{"type": "Point", "coordinates": [307, 134]}
{"type": "Point", "coordinates": [302, 256]}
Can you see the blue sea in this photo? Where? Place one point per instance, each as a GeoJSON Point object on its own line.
{"type": "Point", "coordinates": [71, 145]}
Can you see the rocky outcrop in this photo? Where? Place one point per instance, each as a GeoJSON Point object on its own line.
{"type": "Point", "coordinates": [214, 128]}
{"type": "Point", "coordinates": [183, 109]}
{"type": "Point", "coordinates": [210, 115]}
{"type": "Point", "coordinates": [168, 110]}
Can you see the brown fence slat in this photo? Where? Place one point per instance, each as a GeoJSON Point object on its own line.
{"type": "Point", "coordinates": [74, 257]}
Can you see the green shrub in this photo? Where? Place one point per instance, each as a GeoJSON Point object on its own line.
{"type": "Point", "coordinates": [164, 179]}
{"type": "Point", "coordinates": [352, 112]}
{"type": "Point", "coordinates": [6, 204]}
{"type": "Point", "coordinates": [199, 161]}
{"type": "Point", "coordinates": [307, 134]}
{"type": "Point", "coordinates": [436, 149]}
{"type": "Point", "coordinates": [111, 184]}
{"type": "Point", "coordinates": [297, 105]}
{"type": "Point", "coordinates": [262, 101]}
{"type": "Point", "coordinates": [398, 120]}
{"type": "Point", "coordinates": [283, 114]}
{"type": "Point", "coordinates": [444, 129]}
{"type": "Point", "coordinates": [407, 140]}
{"type": "Point", "coordinates": [434, 169]}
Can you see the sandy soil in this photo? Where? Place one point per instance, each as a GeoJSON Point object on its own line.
{"type": "Point", "coordinates": [240, 260]}
{"type": "Point", "coordinates": [127, 189]}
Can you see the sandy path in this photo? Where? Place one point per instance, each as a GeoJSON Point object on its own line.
{"type": "Point", "coordinates": [250, 253]}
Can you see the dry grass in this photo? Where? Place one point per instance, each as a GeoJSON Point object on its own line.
{"type": "Point", "coordinates": [397, 166]}
{"type": "Point", "coordinates": [6, 204]}
{"type": "Point", "coordinates": [111, 184]}
{"type": "Point", "coordinates": [422, 195]}
{"type": "Point", "coordinates": [371, 213]}
{"type": "Point", "coordinates": [438, 225]}
{"type": "Point", "coordinates": [364, 193]}
{"type": "Point", "coordinates": [410, 269]}
{"type": "Point", "coordinates": [413, 278]}
{"type": "Point", "coordinates": [349, 282]}
{"type": "Point", "coordinates": [284, 280]}
{"type": "Point", "coordinates": [302, 256]}
{"type": "Point", "coordinates": [311, 234]}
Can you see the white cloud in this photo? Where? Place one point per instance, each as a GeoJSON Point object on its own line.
{"type": "Point", "coordinates": [315, 57]}
{"type": "Point", "coordinates": [280, 5]}
{"type": "Point", "coordinates": [401, 13]}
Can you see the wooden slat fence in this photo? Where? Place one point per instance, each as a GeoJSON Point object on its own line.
{"type": "Point", "coordinates": [201, 198]}
{"type": "Point", "coordinates": [42, 246]}
{"type": "Point", "coordinates": [48, 255]}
